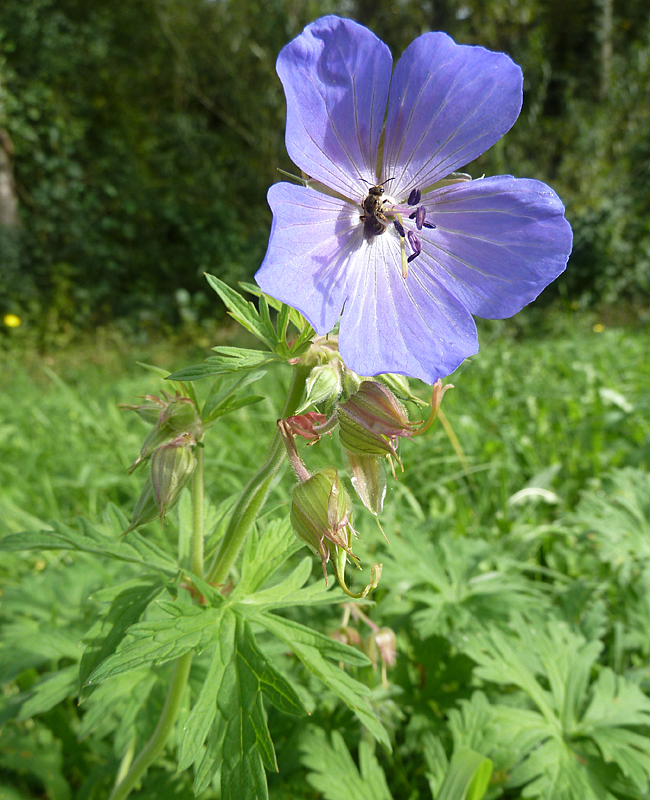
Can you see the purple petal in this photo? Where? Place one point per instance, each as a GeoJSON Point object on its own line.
{"type": "Point", "coordinates": [336, 76]}
{"type": "Point", "coordinates": [314, 240]}
{"type": "Point", "coordinates": [448, 104]}
{"type": "Point", "coordinates": [413, 327]}
{"type": "Point", "coordinates": [497, 244]}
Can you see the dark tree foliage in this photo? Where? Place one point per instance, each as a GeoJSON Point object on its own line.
{"type": "Point", "coordinates": [143, 135]}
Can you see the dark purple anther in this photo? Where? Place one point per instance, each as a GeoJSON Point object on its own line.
{"type": "Point", "coordinates": [416, 244]}
{"type": "Point", "coordinates": [414, 197]}
{"type": "Point", "coordinates": [429, 225]}
{"type": "Point", "coordinates": [420, 214]}
{"type": "Point", "coordinates": [399, 228]}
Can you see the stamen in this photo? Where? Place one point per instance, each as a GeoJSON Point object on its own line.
{"type": "Point", "coordinates": [420, 214]}
{"type": "Point", "coordinates": [428, 225]}
{"type": "Point", "coordinates": [416, 244]}
{"type": "Point", "coordinates": [399, 228]}
{"type": "Point", "coordinates": [414, 197]}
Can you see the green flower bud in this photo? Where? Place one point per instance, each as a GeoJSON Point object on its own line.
{"type": "Point", "coordinates": [180, 416]}
{"type": "Point", "coordinates": [173, 416]}
{"type": "Point", "coordinates": [321, 515]}
{"type": "Point", "coordinates": [369, 480]}
{"type": "Point", "coordinates": [146, 509]}
{"type": "Point", "coordinates": [372, 420]}
{"type": "Point", "coordinates": [172, 465]}
{"type": "Point", "coordinates": [350, 381]}
{"type": "Point", "coordinates": [323, 384]}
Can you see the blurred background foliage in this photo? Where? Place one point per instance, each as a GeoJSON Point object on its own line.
{"type": "Point", "coordinates": [138, 139]}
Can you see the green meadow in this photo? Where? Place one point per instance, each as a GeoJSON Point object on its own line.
{"type": "Point", "coordinates": [516, 580]}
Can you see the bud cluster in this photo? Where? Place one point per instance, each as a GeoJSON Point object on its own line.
{"type": "Point", "coordinates": [371, 419]}
{"type": "Point", "coordinates": [169, 451]}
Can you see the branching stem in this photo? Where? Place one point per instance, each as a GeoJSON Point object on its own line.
{"type": "Point", "coordinates": [255, 494]}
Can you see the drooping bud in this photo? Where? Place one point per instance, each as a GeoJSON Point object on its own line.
{"type": "Point", "coordinates": [146, 509]}
{"type": "Point", "coordinates": [372, 420]}
{"type": "Point", "coordinates": [173, 416]}
{"type": "Point", "coordinates": [387, 645]}
{"type": "Point", "coordinates": [321, 515]}
{"type": "Point", "coordinates": [369, 480]}
{"type": "Point", "coordinates": [381, 644]}
{"type": "Point", "coordinates": [172, 465]}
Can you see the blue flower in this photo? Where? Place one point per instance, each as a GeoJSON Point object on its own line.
{"type": "Point", "coordinates": [385, 235]}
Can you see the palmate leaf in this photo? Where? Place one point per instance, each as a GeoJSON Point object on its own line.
{"type": "Point", "coordinates": [578, 733]}
{"type": "Point", "coordinates": [184, 627]}
{"type": "Point", "coordinates": [313, 648]}
{"type": "Point", "coordinates": [225, 396]}
{"type": "Point", "coordinates": [245, 312]}
{"type": "Point", "coordinates": [334, 773]}
{"type": "Point", "coordinates": [617, 519]}
{"type": "Point", "coordinates": [265, 552]}
{"type": "Point", "coordinates": [47, 692]}
{"type": "Point", "coordinates": [450, 579]}
{"type": "Point", "coordinates": [134, 548]}
{"type": "Point", "coordinates": [125, 610]}
{"type": "Point", "coordinates": [231, 696]}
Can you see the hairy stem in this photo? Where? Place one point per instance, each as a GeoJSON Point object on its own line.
{"type": "Point", "coordinates": [156, 743]}
{"type": "Point", "coordinates": [198, 513]}
{"type": "Point", "coordinates": [255, 494]}
{"type": "Point", "coordinates": [125, 783]}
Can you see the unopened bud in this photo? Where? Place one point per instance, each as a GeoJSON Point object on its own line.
{"type": "Point", "coordinates": [321, 515]}
{"type": "Point", "coordinates": [172, 465]}
{"type": "Point", "coordinates": [146, 509]}
{"type": "Point", "coordinates": [372, 420]}
{"type": "Point", "coordinates": [350, 382]}
{"type": "Point", "coordinates": [398, 384]}
{"type": "Point", "coordinates": [387, 645]}
{"type": "Point", "coordinates": [323, 384]}
{"type": "Point", "coordinates": [149, 411]}
{"type": "Point", "coordinates": [173, 416]}
{"type": "Point", "coordinates": [180, 416]}
{"type": "Point", "coordinates": [369, 480]}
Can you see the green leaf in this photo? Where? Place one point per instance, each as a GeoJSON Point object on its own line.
{"type": "Point", "coordinates": [468, 777]}
{"type": "Point", "coordinates": [244, 312]}
{"type": "Point", "coordinates": [247, 743]}
{"type": "Point", "coordinates": [265, 552]}
{"type": "Point", "coordinates": [47, 692]}
{"type": "Point", "coordinates": [310, 647]}
{"type": "Point", "coordinates": [133, 548]}
{"type": "Point", "coordinates": [229, 359]}
{"type": "Point", "coordinates": [296, 317]}
{"type": "Point", "coordinates": [203, 714]}
{"type": "Point", "coordinates": [223, 397]}
{"type": "Point", "coordinates": [290, 593]}
{"type": "Point", "coordinates": [187, 627]}
{"type": "Point", "coordinates": [334, 773]}
{"type": "Point", "coordinates": [237, 676]}
{"type": "Point", "coordinates": [126, 609]}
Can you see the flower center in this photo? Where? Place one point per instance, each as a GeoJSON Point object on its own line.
{"type": "Point", "coordinates": [379, 210]}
